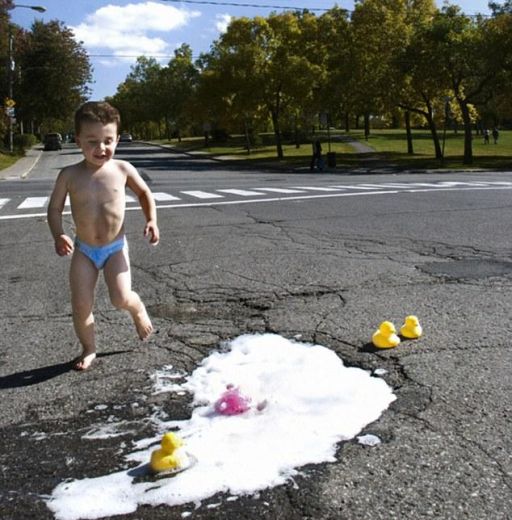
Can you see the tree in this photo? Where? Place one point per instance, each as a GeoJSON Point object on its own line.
{"type": "Point", "coordinates": [422, 86]}
{"type": "Point", "coordinates": [471, 53]}
{"type": "Point", "coordinates": [262, 63]}
{"type": "Point", "coordinates": [380, 31]}
{"type": "Point", "coordinates": [54, 70]}
{"type": "Point", "coordinates": [178, 82]}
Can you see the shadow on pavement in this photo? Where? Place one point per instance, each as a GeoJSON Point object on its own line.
{"type": "Point", "coordinates": [40, 375]}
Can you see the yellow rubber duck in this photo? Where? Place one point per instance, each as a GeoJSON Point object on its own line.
{"type": "Point", "coordinates": [411, 329]}
{"type": "Point", "coordinates": [385, 336]}
{"type": "Point", "coordinates": [168, 456]}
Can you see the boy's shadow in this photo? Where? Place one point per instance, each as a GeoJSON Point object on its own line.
{"type": "Point", "coordinates": [39, 375]}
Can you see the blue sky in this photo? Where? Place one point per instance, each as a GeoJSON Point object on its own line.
{"type": "Point", "coordinates": [116, 32]}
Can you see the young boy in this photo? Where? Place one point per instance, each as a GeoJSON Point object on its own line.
{"type": "Point", "coordinates": [96, 188]}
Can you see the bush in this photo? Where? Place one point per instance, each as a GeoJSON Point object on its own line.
{"type": "Point", "coordinates": [23, 142]}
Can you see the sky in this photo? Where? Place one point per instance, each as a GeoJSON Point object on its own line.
{"type": "Point", "coordinates": [302, 401]}
{"type": "Point", "coordinates": [115, 32]}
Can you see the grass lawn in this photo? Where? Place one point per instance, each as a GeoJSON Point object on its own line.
{"type": "Point", "coordinates": [390, 147]}
{"type": "Point", "coordinates": [7, 160]}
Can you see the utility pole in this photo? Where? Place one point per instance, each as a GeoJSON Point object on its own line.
{"type": "Point", "coordinates": [11, 81]}
{"type": "Point", "coordinates": [11, 103]}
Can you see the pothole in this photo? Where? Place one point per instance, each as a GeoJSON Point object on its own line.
{"type": "Point", "coordinates": [473, 268]}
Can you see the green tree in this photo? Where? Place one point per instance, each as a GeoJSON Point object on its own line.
{"type": "Point", "coordinates": [261, 63]}
{"type": "Point", "coordinates": [178, 82]}
{"type": "Point", "coordinates": [136, 98]}
{"type": "Point", "coordinates": [472, 55]}
{"type": "Point", "coordinates": [53, 71]}
{"type": "Point", "coordinates": [380, 31]}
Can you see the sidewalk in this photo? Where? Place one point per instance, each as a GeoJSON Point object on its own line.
{"type": "Point", "coordinates": [22, 167]}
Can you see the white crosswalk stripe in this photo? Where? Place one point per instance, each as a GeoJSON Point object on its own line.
{"type": "Point", "coordinates": [3, 202]}
{"type": "Point", "coordinates": [164, 197]}
{"type": "Point", "coordinates": [34, 202]}
{"type": "Point", "coordinates": [353, 187]}
{"type": "Point", "coordinates": [203, 194]}
{"type": "Point", "coordinates": [242, 193]}
{"type": "Point", "coordinates": [280, 190]}
{"type": "Point", "coordinates": [315, 188]}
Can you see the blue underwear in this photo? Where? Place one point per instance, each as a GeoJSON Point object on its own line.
{"type": "Point", "coordinates": [99, 255]}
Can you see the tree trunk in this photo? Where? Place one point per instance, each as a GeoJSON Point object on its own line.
{"type": "Point", "coordinates": [468, 134]}
{"type": "Point", "coordinates": [296, 130]}
{"type": "Point", "coordinates": [277, 133]}
{"type": "Point", "coordinates": [407, 116]}
{"type": "Point", "coordinates": [366, 126]}
{"type": "Point", "coordinates": [433, 131]}
{"type": "Point", "coordinates": [247, 137]}
{"type": "Point", "coordinates": [347, 122]}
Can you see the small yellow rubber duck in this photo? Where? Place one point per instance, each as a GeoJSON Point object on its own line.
{"type": "Point", "coordinates": [168, 456]}
{"type": "Point", "coordinates": [411, 329]}
{"type": "Point", "coordinates": [385, 336]}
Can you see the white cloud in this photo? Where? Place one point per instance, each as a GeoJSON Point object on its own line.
{"type": "Point", "coordinates": [129, 30]}
{"type": "Point", "coordinates": [222, 22]}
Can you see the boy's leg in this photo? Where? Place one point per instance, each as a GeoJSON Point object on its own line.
{"type": "Point", "coordinates": [83, 277]}
{"type": "Point", "coordinates": [119, 282]}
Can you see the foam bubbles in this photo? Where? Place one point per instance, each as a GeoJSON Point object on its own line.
{"type": "Point", "coordinates": [312, 402]}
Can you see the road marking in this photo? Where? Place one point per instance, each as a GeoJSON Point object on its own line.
{"type": "Point", "coordinates": [315, 188]}
{"type": "Point", "coordinates": [34, 202]}
{"type": "Point", "coordinates": [163, 197]}
{"type": "Point", "coordinates": [242, 193]}
{"type": "Point", "coordinates": [352, 187]}
{"type": "Point", "coordinates": [280, 190]}
{"type": "Point", "coordinates": [203, 194]}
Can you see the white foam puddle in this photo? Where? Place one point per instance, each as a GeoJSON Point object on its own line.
{"type": "Point", "coordinates": [311, 402]}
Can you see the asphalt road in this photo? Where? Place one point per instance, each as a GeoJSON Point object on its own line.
{"type": "Point", "coordinates": [327, 264]}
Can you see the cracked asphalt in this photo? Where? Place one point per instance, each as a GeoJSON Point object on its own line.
{"type": "Point", "coordinates": [322, 271]}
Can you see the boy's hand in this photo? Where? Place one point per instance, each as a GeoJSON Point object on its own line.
{"type": "Point", "coordinates": [152, 231]}
{"type": "Point", "coordinates": [64, 245]}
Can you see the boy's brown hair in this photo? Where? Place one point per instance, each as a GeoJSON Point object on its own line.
{"type": "Point", "coordinates": [96, 112]}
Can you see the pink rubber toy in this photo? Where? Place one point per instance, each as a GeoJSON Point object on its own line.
{"type": "Point", "coordinates": [232, 402]}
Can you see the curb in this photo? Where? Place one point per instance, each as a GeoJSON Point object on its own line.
{"type": "Point", "coordinates": [23, 166]}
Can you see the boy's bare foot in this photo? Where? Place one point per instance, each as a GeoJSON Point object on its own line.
{"type": "Point", "coordinates": [84, 361]}
{"type": "Point", "coordinates": [143, 324]}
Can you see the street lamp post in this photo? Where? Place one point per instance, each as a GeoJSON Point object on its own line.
{"type": "Point", "coordinates": [39, 9]}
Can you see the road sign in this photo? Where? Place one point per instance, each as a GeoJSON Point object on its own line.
{"type": "Point", "coordinates": [9, 103]}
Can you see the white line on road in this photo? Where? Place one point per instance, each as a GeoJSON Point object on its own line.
{"type": "Point", "coordinates": [315, 188]}
{"type": "Point", "coordinates": [242, 193]}
{"type": "Point", "coordinates": [203, 194]}
{"type": "Point", "coordinates": [280, 190]}
{"type": "Point", "coordinates": [34, 202]}
{"type": "Point", "coordinates": [163, 197]}
{"type": "Point", "coordinates": [3, 202]}
{"type": "Point", "coordinates": [502, 186]}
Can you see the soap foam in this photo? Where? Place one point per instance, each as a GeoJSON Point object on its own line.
{"type": "Point", "coordinates": [309, 401]}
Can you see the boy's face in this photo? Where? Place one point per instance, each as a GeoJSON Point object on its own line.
{"type": "Point", "coordinates": [98, 142]}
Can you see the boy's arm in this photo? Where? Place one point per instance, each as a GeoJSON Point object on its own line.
{"type": "Point", "coordinates": [63, 244]}
{"type": "Point", "coordinates": [136, 183]}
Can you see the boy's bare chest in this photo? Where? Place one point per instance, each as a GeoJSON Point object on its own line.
{"type": "Point", "coordinates": [98, 189]}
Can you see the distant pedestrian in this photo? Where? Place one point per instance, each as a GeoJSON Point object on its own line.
{"type": "Point", "coordinates": [317, 160]}
{"type": "Point", "coordinates": [495, 135]}
{"type": "Point", "coordinates": [486, 136]}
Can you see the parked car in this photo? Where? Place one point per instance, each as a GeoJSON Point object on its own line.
{"type": "Point", "coordinates": [52, 141]}
{"type": "Point", "coordinates": [125, 137]}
